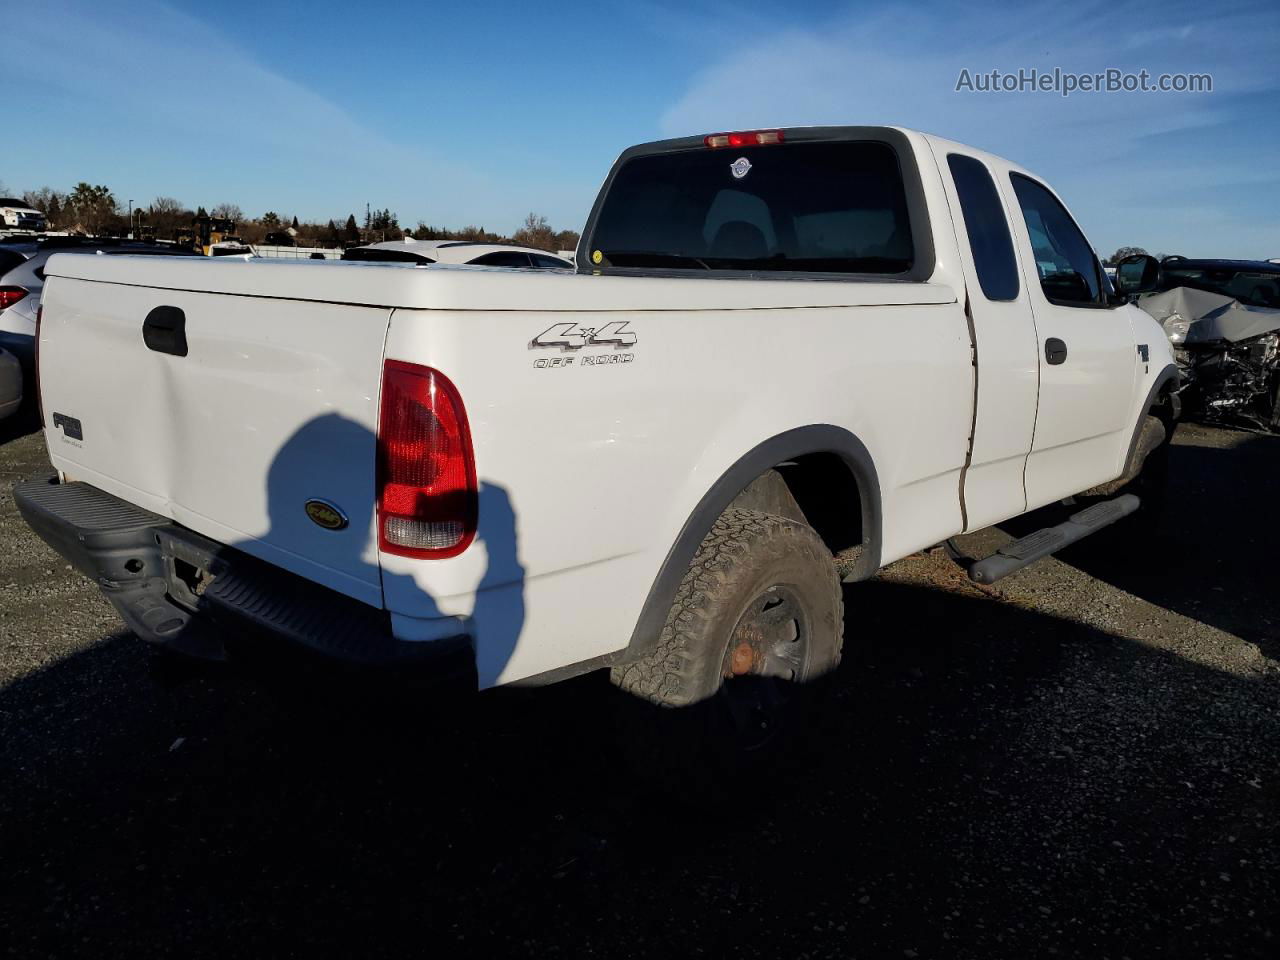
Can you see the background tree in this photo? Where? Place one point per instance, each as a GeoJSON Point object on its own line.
{"type": "Point", "coordinates": [167, 215]}
{"type": "Point", "coordinates": [201, 212]}
{"type": "Point", "coordinates": [228, 211]}
{"type": "Point", "coordinates": [536, 232]}
{"type": "Point", "coordinates": [1124, 252]}
{"type": "Point", "coordinates": [92, 208]}
{"type": "Point", "coordinates": [351, 233]}
{"type": "Point", "coordinates": [384, 224]}
{"type": "Point", "coordinates": [271, 220]}
{"type": "Point", "coordinates": [567, 240]}
{"type": "Point", "coordinates": [49, 202]}
{"type": "Point", "coordinates": [295, 223]}
{"type": "Point", "coordinates": [332, 236]}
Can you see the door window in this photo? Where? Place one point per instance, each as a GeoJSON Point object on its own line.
{"type": "Point", "coordinates": [1064, 260]}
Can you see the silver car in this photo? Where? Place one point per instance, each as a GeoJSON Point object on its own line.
{"type": "Point", "coordinates": [10, 384]}
{"type": "Point", "coordinates": [20, 288]}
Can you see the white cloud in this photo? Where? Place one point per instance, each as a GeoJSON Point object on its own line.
{"type": "Point", "coordinates": [899, 65]}
{"type": "Point", "coordinates": [165, 103]}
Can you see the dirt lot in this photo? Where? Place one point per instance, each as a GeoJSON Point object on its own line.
{"type": "Point", "coordinates": [1082, 762]}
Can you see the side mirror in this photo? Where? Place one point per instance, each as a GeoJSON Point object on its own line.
{"type": "Point", "coordinates": [1139, 273]}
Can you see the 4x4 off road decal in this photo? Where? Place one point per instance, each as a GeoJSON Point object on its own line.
{"type": "Point", "coordinates": [572, 336]}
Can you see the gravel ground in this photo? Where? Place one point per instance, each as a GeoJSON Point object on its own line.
{"type": "Point", "coordinates": [1083, 761]}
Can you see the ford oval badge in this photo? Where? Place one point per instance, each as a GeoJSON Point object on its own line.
{"type": "Point", "coordinates": [325, 514]}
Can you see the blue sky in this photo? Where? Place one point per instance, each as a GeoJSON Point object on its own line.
{"type": "Point", "coordinates": [469, 113]}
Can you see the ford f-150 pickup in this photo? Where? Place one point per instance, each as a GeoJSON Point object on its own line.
{"type": "Point", "coordinates": [786, 357]}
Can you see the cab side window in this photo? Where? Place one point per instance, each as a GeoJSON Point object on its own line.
{"type": "Point", "coordinates": [986, 226]}
{"type": "Point", "coordinates": [549, 263]}
{"type": "Point", "coordinates": [502, 258]}
{"type": "Point", "coordinates": [1068, 269]}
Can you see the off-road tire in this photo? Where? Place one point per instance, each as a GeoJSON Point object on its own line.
{"type": "Point", "coordinates": [676, 690]}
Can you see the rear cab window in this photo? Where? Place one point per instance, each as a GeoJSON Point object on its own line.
{"type": "Point", "coordinates": [839, 207]}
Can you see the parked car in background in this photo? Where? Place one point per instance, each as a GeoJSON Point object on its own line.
{"type": "Point", "coordinates": [1252, 282]}
{"type": "Point", "coordinates": [16, 248]}
{"type": "Point", "coordinates": [19, 215]}
{"type": "Point", "coordinates": [10, 384]}
{"type": "Point", "coordinates": [11, 258]}
{"type": "Point", "coordinates": [22, 280]}
{"type": "Point", "coordinates": [230, 247]}
{"type": "Point", "coordinates": [409, 250]}
{"type": "Point", "coordinates": [1223, 319]}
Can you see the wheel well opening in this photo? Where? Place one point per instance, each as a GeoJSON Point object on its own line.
{"type": "Point", "coordinates": [827, 493]}
{"type": "Point", "coordinates": [1164, 406]}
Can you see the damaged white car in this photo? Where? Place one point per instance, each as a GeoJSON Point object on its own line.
{"type": "Point", "coordinates": [1223, 319]}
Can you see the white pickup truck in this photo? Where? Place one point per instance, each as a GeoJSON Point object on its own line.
{"type": "Point", "coordinates": [783, 353]}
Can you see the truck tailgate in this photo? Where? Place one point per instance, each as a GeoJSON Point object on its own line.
{"type": "Point", "coordinates": [272, 404]}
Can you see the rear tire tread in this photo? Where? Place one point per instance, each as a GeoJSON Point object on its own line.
{"type": "Point", "coordinates": [676, 674]}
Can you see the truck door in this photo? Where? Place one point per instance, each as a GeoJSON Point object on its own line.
{"type": "Point", "coordinates": [1004, 338]}
{"type": "Point", "coordinates": [1087, 354]}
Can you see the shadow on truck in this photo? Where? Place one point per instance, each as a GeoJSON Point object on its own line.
{"type": "Point", "coordinates": [272, 619]}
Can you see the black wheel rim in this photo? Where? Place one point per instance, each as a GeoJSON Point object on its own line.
{"type": "Point", "coordinates": [764, 663]}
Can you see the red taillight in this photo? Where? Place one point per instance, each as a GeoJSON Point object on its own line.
{"type": "Point", "coordinates": [749, 138]}
{"type": "Point", "coordinates": [426, 469]}
{"type": "Point", "coordinates": [11, 295]}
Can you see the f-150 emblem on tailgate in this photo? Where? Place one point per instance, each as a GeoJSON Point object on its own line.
{"type": "Point", "coordinates": [325, 514]}
{"type": "Point", "coordinates": [571, 336]}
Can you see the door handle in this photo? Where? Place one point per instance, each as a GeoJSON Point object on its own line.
{"type": "Point", "coordinates": [1055, 351]}
{"type": "Point", "coordinates": [165, 331]}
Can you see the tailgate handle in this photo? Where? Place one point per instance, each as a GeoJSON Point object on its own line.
{"type": "Point", "coordinates": [165, 331]}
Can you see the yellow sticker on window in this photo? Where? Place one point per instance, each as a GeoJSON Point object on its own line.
{"type": "Point", "coordinates": [596, 256]}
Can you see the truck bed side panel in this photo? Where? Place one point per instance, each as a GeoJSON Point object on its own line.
{"type": "Point", "coordinates": [591, 458]}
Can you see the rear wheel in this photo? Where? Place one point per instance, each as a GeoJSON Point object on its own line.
{"type": "Point", "coordinates": [757, 619]}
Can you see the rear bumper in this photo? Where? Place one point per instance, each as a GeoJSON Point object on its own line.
{"type": "Point", "coordinates": [186, 593]}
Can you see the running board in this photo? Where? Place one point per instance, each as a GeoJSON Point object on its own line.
{"type": "Point", "coordinates": [1035, 546]}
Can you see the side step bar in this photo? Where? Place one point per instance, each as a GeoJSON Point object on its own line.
{"type": "Point", "coordinates": [1035, 546]}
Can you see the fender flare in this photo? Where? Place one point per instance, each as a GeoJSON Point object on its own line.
{"type": "Point", "coordinates": [815, 438]}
